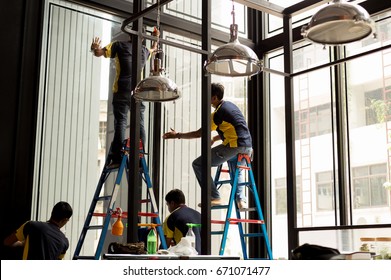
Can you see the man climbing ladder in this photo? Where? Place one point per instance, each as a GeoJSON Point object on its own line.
{"type": "Point", "coordinates": [231, 126]}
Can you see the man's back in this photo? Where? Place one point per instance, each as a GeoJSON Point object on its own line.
{"type": "Point", "coordinates": [231, 125]}
{"type": "Point", "coordinates": [44, 241]}
{"type": "Point", "coordinates": [122, 52]}
{"type": "Point", "coordinates": [177, 220]}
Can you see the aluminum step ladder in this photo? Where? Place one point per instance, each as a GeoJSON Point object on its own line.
{"type": "Point", "coordinates": [241, 162]}
{"type": "Point", "coordinates": [109, 201]}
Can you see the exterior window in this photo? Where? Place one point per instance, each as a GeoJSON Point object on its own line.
{"type": "Point", "coordinates": [318, 118]}
{"type": "Point", "coordinates": [281, 207]}
{"type": "Point", "coordinates": [325, 191]}
{"type": "Point", "coordinates": [102, 134]}
{"type": "Point", "coordinates": [368, 190]}
{"type": "Point", "coordinates": [376, 107]}
{"type": "Point", "coordinates": [281, 201]}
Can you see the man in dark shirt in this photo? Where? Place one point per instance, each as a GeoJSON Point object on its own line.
{"type": "Point", "coordinates": [43, 240]}
{"type": "Point", "coordinates": [122, 88]}
{"type": "Point", "coordinates": [175, 225]}
{"type": "Point", "coordinates": [231, 126]}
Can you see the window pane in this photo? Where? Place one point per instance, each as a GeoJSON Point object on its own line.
{"type": "Point", "coordinates": [221, 13]}
{"type": "Point", "coordinates": [369, 125]}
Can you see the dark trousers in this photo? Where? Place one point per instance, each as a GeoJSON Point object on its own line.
{"type": "Point", "coordinates": [121, 107]}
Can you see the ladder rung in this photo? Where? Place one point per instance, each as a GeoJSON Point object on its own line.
{"type": "Point", "coordinates": [101, 215]}
{"type": "Point", "coordinates": [246, 221]}
{"type": "Point", "coordinates": [217, 222]}
{"type": "Point", "coordinates": [145, 201]}
{"type": "Point", "coordinates": [245, 184]}
{"type": "Point", "coordinates": [216, 232]}
{"type": "Point", "coordinates": [220, 222]}
{"type": "Point", "coordinates": [243, 167]}
{"type": "Point", "coordinates": [95, 227]}
{"type": "Point", "coordinates": [145, 214]}
{"type": "Point", "coordinates": [223, 182]}
{"type": "Point", "coordinates": [248, 209]}
{"type": "Point", "coordinates": [104, 197]}
{"type": "Point", "coordinates": [148, 225]}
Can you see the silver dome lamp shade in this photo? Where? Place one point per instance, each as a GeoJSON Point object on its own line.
{"type": "Point", "coordinates": [339, 23]}
{"type": "Point", "coordinates": [156, 88]}
{"type": "Point", "coordinates": [233, 59]}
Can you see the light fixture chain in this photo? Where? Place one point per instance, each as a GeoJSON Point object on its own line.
{"type": "Point", "coordinates": [158, 20]}
{"type": "Point", "coordinates": [233, 12]}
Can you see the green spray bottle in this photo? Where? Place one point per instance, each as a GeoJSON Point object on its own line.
{"type": "Point", "coordinates": [190, 234]}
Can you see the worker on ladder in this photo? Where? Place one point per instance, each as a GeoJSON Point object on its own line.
{"type": "Point", "coordinates": [232, 129]}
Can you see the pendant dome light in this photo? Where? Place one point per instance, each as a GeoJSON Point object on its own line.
{"type": "Point", "coordinates": [233, 59]}
{"type": "Point", "coordinates": [339, 23]}
{"type": "Point", "coordinates": [157, 88]}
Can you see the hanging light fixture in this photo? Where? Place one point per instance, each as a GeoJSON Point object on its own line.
{"type": "Point", "coordinates": [339, 23]}
{"type": "Point", "coordinates": [233, 59]}
{"type": "Point", "coordinates": [157, 88]}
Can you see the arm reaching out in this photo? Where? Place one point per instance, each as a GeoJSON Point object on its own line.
{"type": "Point", "coordinates": [172, 134]}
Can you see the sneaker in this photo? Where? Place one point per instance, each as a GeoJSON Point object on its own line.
{"type": "Point", "coordinates": [213, 202]}
{"type": "Point", "coordinates": [241, 204]}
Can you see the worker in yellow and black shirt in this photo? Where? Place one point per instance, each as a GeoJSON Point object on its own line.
{"type": "Point", "coordinates": [232, 129]}
{"type": "Point", "coordinates": [175, 225]}
{"type": "Point", "coordinates": [121, 51]}
{"type": "Point", "coordinates": [43, 240]}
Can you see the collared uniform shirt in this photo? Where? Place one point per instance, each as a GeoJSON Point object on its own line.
{"type": "Point", "coordinates": [230, 124]}
{"type": "Point", "coordinates": [43, 241]}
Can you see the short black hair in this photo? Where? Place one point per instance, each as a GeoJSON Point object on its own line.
{"type": "Point", "coordinates": [176, 196]}
{"type": "Point", "coordinates": [62, 210]}
{"type": "Point", "coordinates": [217, 90]}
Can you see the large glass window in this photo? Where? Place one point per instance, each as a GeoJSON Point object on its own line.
{"type": "Point", "coordinates": [365, 119]}
{"type": "Point", "coordinates": [368, 95]}
{"type": "Point", "coordinates": [72, 114]}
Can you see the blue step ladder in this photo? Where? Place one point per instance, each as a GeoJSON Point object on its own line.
{"type": "Point", "coordinates": [241, 162]}
{"type": "Point", "coordinates": [110, 212]}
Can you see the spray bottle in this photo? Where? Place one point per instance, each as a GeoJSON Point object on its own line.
{"type": "Point", "coordinates": [118, 226]}
{"type": "Point", "coordinates": [152, 241]}
{"type": "Point", "coordinates": [190, 234]}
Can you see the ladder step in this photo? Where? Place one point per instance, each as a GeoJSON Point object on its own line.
{"type": "Point", "coordinates": [103, 197]}
{"type": "Point", "coordinates": [246, 221]}
{"type": "Point", "coordinates": [223, 182]}
{"type": "Point", "coordinates": [147, 214]}
{"type": "Point", "coordinates": [248, 209]}
{"type": "Point", "coordinates": [216, 232]}
{"type": "Point", "coordinates": [95, 227]}
{"type": "Point", "coordinates": [243, 167]}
